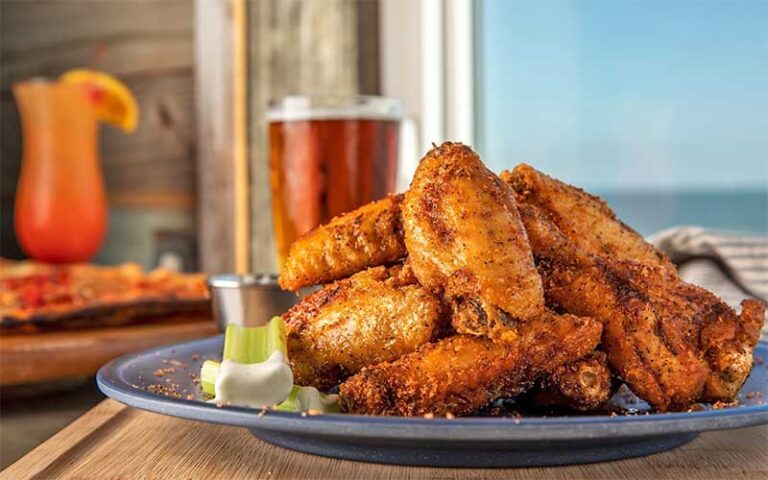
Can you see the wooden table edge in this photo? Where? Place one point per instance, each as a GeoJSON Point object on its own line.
{"type": "Point", "coordinates": [79, 434]}
{"type": "Point", "coordinates": [66, 449]}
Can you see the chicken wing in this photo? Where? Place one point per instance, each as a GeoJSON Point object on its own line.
{"type": "Point", "coordinates": [374, 316]}
{"type": "Point", "coordinates": [724, 339]}
{"type": "Point", "coordinates": [586, 220]}
{"type": "Point", "coordinates": [684, 313]}
{"type": "Point", "coordinates": [658, 331]}
{"type": "Point", "coordinates": [460, 374]}
{"type": "Point", "coordinates": [465, 241]}
{"type": "Point", "coordinates": [583, 385]}
{"type": "Point", "coordinates": [367, 237]}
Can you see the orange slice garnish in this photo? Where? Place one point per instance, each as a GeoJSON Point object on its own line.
{"type": "Point", "coordinates": [114, 102]}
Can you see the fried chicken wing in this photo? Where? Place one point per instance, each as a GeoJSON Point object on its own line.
{"type": "Point", "coordinates": [658, 330]}
{"type": "Point", "coordinates": [367, 237]}
{"type": "Point", "coordinates": [663, 370]}
{"type": "Point", "coordinates": [728, 343]}
{"type": "Point", "coordinates": [465, 241]}
{"type": "Point", "coordinates": [374, 316]}
{"type": "Point", "coordinates": [686, 317]}
{"type": "Point", "coordinates": [463, 373]}
{"type": "Point", "coordinates": [583, 385]}
{"type": "Point", "coordinates": [724, 339]}
{"type": "Point", "coordinates": [586, 220]}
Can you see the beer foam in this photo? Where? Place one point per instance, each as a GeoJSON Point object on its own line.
{"type": "Point", "coordinates": [368, 108]}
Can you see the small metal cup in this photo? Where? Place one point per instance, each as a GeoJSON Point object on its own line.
{"type": "Point", "coordinates": [248, 300]}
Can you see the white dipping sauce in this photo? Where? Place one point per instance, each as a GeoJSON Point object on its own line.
{"type": "Point", "coordinates": [256, 384]}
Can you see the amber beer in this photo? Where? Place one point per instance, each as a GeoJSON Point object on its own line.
{"type": "Point", "coordinates": [328, 156]}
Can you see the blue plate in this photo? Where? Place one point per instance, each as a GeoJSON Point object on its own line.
{"type": "Point", "coordinates": [466, 442]}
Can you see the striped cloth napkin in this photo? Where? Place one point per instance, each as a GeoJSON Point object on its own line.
{"type": "Point", "coordinates": [732, 266]}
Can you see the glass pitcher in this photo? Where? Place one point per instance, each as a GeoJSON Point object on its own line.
{"type": "Point", "coordinates": [61, 206]}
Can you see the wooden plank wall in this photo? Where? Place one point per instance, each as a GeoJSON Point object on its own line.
{"type": "Point", "coordinates": [302, 47]}
{"type": "Point", "coordinates": [222, 93]}
{"type": "Point", "coordinates": [292, 47]}
{"type": "Point", "coordinates": [151, 175]}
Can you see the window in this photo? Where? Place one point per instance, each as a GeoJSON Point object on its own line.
{"type": "Point", "coordinates": [660, 107]}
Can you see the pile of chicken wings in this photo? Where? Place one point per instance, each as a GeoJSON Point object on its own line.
{"type": "Point", "coordinates": [472, 287]}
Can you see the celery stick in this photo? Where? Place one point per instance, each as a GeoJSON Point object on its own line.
{"type": "Point", "coordinates": [255, 344]}
{"type": "Point", "coordinates": [208, 376]}
{"type": "Point", "coordinates": [251, 345]}
{"type": "Point", "coordinates": [289, 404]}
{"type": "Point", "coordinates": [246, 345]}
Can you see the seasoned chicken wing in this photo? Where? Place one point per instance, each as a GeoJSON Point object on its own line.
{"type": "Point", "coordinates": [465, 241]}
{"type": "Point", "coordinates": [583, 385]}
{"type": "Point", "coordinates": [684, 316]}
{"type": "Point", "coordinates": [374, 316]}
{"type": "Point", "coordinates": [663, 370]}
{"type": "Point", "coordinates": [586, 220]}
{"type": "Point", "coordinates": [367, 237]}
{"type": "Point", "coordinates": [724, 339]}
{"type": "Point", "coordinates": [460, 374]}
{"type": "Point", "coordinates": [658, 331]}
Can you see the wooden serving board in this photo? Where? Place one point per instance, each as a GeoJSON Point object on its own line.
{"type": "Point", "coordinates": [54, 355]}
{"type": "Point", "coordinates": [114, 441]}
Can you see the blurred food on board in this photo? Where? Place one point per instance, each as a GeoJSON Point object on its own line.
{"type": "Point", "coordinates": [42, 295]}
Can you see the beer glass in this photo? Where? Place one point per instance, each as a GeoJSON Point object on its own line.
{"type": "Point", "coordinates": [328, 155]}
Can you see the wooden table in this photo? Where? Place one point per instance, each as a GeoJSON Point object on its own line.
{"type": "Point", "coordinates": [26, 357]}
{"type": "Point", "coordinates": [114, 441]}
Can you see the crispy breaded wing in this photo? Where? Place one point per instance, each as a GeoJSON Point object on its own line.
{"type": "Point", "coordinates": [673, 343]}
{"type": "Point", "coordinates": [653, 355]}
{"type": "Point", "coordinates": [465, 241]}
{"type": "Point", "coordinates": [724, 339]}
{"type": "Point", "coordinates": [658, 304]}
{"type": "Point", "coordinates": [728, 342]}
{"type": "Point", "coordinates": [461, 374]}
{"type": "Point", "coordinates": [583, 385]}
{"type": "Point", "coordinates": [586, 220]}
{"type": "Point", "coordinates": [374, 316]}
{"type": "Point", "coordinates": [367, 237]}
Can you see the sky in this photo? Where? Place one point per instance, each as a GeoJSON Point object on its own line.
{"type": "Point", "coordinates": [626, 95]}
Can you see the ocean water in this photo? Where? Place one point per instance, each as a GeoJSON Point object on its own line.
{"type": "Point", "coordinates": [647, 212]}
{"type": "Point", "coordinates": [730, 211]}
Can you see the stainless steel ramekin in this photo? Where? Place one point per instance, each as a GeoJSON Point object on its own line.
{"type": "Point", "coordinates": [249, 300]}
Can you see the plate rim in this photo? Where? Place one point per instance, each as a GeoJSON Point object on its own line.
{"type": "Point", "coordinates": [394, 427]}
